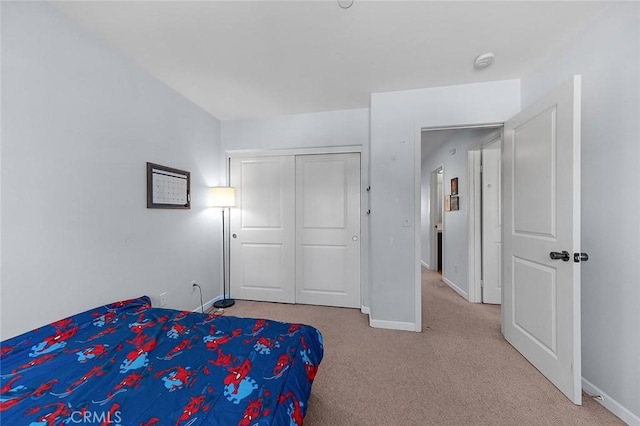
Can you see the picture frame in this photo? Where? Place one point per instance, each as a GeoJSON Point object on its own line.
{"type": "Point", "coordinates": [447, 203]}
{"type": "Point", "coordinates": [455, 203]}
{"type": "Point", "coordinates": [454, 186]}
{"type": "Point", "coordinates": [168, 188]}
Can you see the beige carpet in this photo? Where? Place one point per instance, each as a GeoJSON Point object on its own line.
{"type": "Point", "coordinates": [459, 371]}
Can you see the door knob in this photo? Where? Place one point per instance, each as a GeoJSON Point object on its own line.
{"type": "Point", "coordinates": [580, 257]}
{"type": "Point", "coordinates": [560, 256]}
{"type": "Point", "coordinates": [354, 238]}
{"type": "Point", "coordinates": [234, 235]}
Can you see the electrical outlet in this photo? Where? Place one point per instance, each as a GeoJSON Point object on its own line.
{"type": "Point", "coordinates": [163, 299]}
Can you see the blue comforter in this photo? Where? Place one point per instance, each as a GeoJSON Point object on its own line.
{"type": "Point", "coordinates": [130, 364]}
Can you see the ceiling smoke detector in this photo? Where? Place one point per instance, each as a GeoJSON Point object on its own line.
{"type": "Point", "coordinates": [345, 4]}
{"type": "Point", "coordinates": [484, 60]}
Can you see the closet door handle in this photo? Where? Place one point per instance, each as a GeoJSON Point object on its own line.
{"type": "Point", "coordinates": [235, 235]}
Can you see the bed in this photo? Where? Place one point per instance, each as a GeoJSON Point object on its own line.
{"type": "Point", "coordinates": [130, 363]}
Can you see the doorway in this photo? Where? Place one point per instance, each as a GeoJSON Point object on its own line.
{"type": "Point", "coordinates": [446, 227]}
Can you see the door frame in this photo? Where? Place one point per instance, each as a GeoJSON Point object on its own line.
{"type": "Point", "coordinates": [364, 199]}
{"type": "Point", "coordinates": [417, 214]}
{"type": "Point", "coordinates": [474, 219]}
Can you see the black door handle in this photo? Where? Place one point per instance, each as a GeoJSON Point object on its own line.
{"type": "Point", "coordinates": [560, 256]}
{"type": "Point", "coordinates": [580, 257]}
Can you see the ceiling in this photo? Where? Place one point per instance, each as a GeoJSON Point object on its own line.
{"type": "Point", "coordinates": [247, 59]}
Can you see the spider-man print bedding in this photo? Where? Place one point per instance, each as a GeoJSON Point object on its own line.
{"type": "Point", "coordinates": [130, 364]}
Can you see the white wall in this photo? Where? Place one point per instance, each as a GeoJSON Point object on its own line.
{"type": "Point", "coordinates": [334, 128]}
{"type": "Point", "coordinates": [324, 129]}
{"type": "Point", "coordinates": [396, 118]}
{"type": "Point", "coordinates": [79, 123]}
{"type": "Point", "coordinates": [608, 57]}
{"type": "Point", "coordinates": [454, 237]}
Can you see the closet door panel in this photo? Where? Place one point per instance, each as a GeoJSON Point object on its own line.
{"type": "Point", "coordinates": [328, 229]}
{"type": "Point", "coordinates": [262, 252]}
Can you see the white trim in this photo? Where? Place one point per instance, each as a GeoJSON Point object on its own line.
{"type": "Point", "coordinates": [365, 310]}
{"type": "Point", "coordinates": [208, 304]}
{"type": "Point", "coordinates": [474, 226]}
{"type": "Point", "coordinates": [577, 234]}
{"type": "Point", "coordinates": [462, 126]}
{"type": "Point", "coordinates": [393, 325]}
{"type": "Point", "coordinates": [240, 153]}
{"type": "Point", "coordinates": [611, 404]}
{"type": "Point", "coordinates": [417, 227]}
{"type": "Point", "coordinates": [455, 288]}
{"type": "Point", "coordinates": [426, 265]}
{"type": "Point", "coordinates": [474, 218]}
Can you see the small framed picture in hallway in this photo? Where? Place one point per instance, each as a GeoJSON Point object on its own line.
{"type": "Point", "coordinates": [454, 186]}
{"type": "Point", "coordinates": [455, 205]}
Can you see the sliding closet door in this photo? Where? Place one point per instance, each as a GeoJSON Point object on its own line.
{"type": "Point", "coordinates": [328, 229]}
{"type": "Point", "coordinates": [263, 229]}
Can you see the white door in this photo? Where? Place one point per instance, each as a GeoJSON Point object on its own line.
{"type": "Point", "coordinates": [541, 303]}
{"type": "Point", "coordinates": [263, 229]}
{"type": "Point", "coordinates": [491, 223]}
{"type": "Point", "coordinates": [328, 229]}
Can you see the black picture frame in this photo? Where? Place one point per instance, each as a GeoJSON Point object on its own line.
{"type": "Point", "coordinates": [167, 187]}
{"type": "Point", "coordinates": [454, 186]}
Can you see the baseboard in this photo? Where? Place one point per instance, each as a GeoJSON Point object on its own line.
{"type": "Point", "coordinates": [611, 404]}
{"type": "Point", "coordinates": [365, 310]}
{"type": "Point", "coordinates": [426, 265]}
{"type": "Point", "coordinates": [455, 288]}
{"type": "Point", "coordinates": [208, 304]}
{"type": "Point", "coordinates": [392, 325]}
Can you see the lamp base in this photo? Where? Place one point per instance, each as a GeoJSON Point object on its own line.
{"type": "Point", "coordinates": [224, 303]}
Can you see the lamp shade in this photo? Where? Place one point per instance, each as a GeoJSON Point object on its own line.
{"type": "Point", "coordinates": [222, 196]}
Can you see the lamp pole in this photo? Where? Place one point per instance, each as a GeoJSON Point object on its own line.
{"type": "Point", "coordinates": [223, 197]}
{"type": "Point", "coordinates": [224, 303]}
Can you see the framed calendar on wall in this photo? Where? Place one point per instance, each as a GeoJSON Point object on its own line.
{"type": "Point", "coordinates": [168, 188]}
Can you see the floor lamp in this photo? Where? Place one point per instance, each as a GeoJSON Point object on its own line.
{"type": "Point", "coordinates": [223, 197]}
